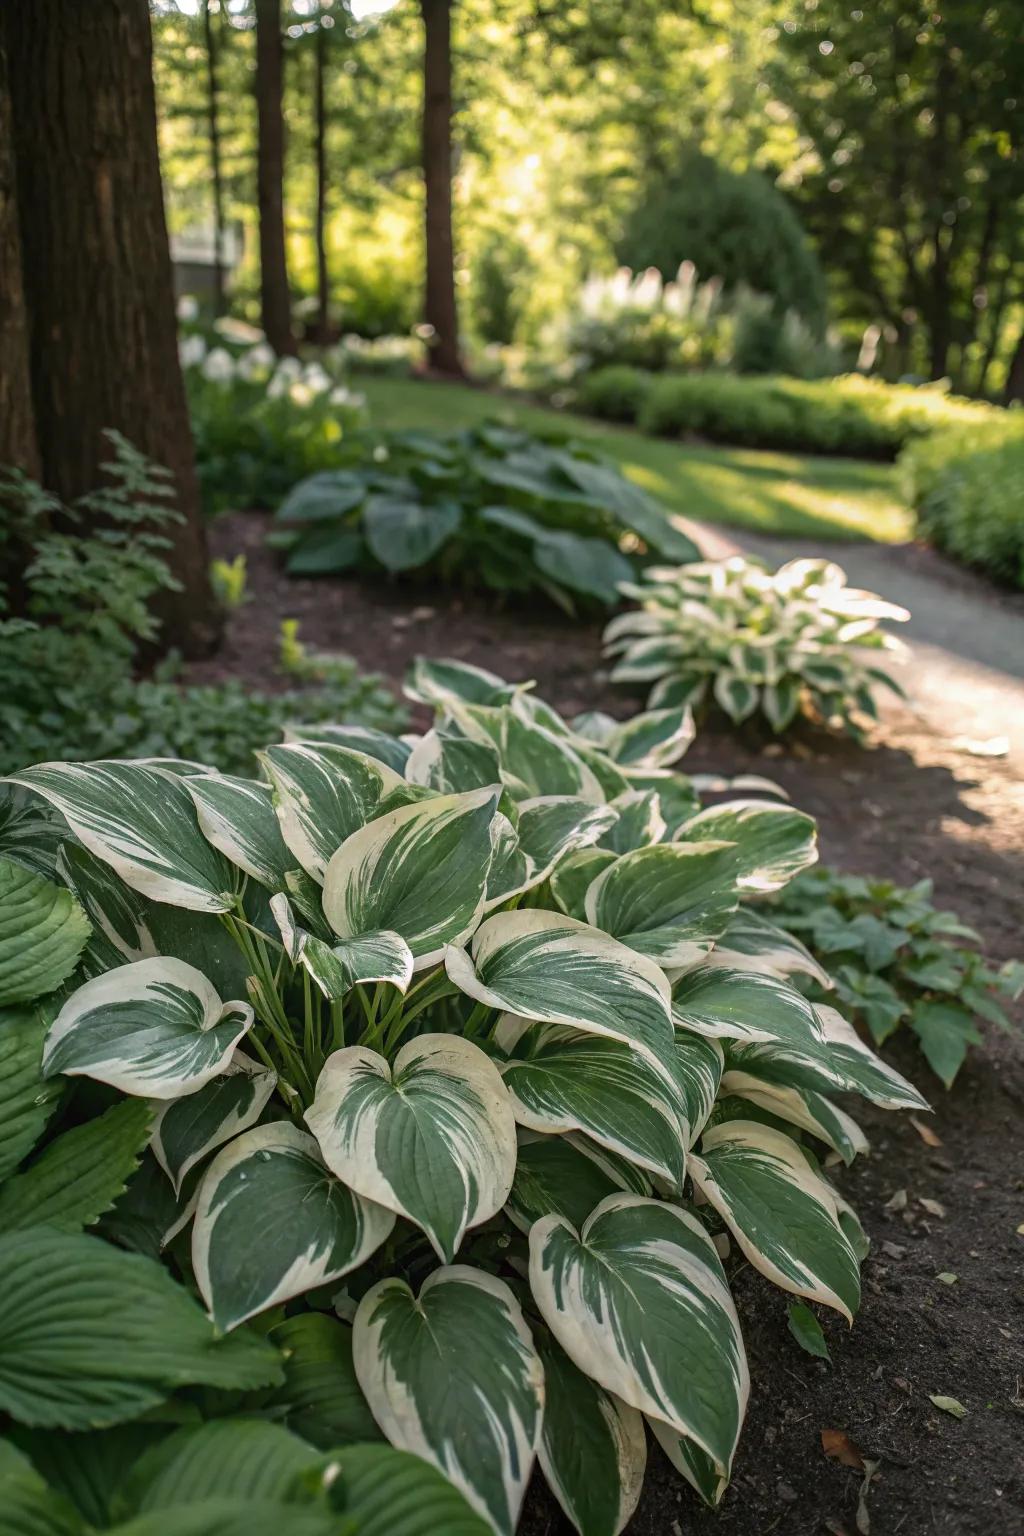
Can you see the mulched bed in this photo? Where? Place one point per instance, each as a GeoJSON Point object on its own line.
{"type": "Point", "coordinates": [910, 805]}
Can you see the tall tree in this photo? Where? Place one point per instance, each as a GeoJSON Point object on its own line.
{"type": "Point", "coordinates": [216, 171]}
{"type": "Point", "coordinates": [97, 268]}
{"type": "Point", "coordinates": [323, 26]}
{"type": "Point", "coordinates": [440, 311]}
{"type": "Point", "coordinates": [18, 446]}
{"type": "Point", "coordinates": [274, 295]}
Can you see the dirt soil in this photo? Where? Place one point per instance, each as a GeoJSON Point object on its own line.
{"type": "Point", "coordinates": [918, 801]}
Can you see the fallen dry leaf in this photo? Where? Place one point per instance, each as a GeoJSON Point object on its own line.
{"type": "Point", "coordinates": [933, 1207]}
{"type": "Point", "coordinates": [863, 1517]}
{"type": "Point", "coordinates": [989, 746]}
{"type": "Point", "coordinates": [925, 1132]}
{"type": "Point", "coordinates": [948, 1405]}
{"type": "Point", "coordinates": [896, 1202]}
{"type": "Point", "coordinates": [947, 1277]}
{"type": "Point", "coordinates": [837, 1444]}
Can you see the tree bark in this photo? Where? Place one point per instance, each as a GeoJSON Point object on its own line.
{"type": "Point", "coordinates": [275, 300]}
{"type": "Point", "coordinates": [213, 128]}
{"type": "Point", "coordinates": [1014, 389]}
{"type": "Point", "coordinates": [320, 147]}
{"type": "Point", "coordinates": [439, 307]}
{"type": "Point", "coordinates": [97, 269]}
{"type": "Point", "coordinates": [18, 445]}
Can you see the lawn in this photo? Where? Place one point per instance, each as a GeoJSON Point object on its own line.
{"type": "Point", "coordinates": [784, 493]}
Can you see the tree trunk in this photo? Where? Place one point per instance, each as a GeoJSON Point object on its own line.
{"type": "Point", "coordinates": [320, 146]}
{"type": "Point", "coordinates": [439, 308]}
{"type": "Point", "coordinates": [18, 446]}
{"type": "Point", "coordinates": [274, 296]}
{"type": "Point", "coordinates": [213, 128]}
{"type": "Point", "coordinates": [1014, 389]}
{"type": "Point", "coordinates": [97, 269]}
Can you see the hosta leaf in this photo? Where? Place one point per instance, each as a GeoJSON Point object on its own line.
{"type": "Point", "coordinates": [42, 933]}
{"type": "Point", "coordinates": [678, 799]}
{"type": "Point", "coordinates": [747, 1006]}
{"type": "Point", "coordinates": [861, 1069]}
{"type": "Point", "coordinates": [542, 762]}
{"type": "Point", "coordinates": [432, 1139]}
{"type": "Point", "coordinates": [29, 1507]}
{"type": "Point", "coordinates": [27, 1100]}
{"type": "Point", "coordinates": [237, 816]}
{"type": "Point", "coordinates": [227, 1458]}
{"type": "Point", "coordinates": [322, 497]}
{"type": "Point", "coordinates": [90, 1335]}
{"type": "Point", "coordinates": [231, 1517]}
{"type": "Point", "coordinates": [320, 1398]}
{"type": "Point", "coordinates": [435, 682]}
{"type": "Point", "coordinates": [553, 826]}
{"type": "Point", "coordinates": [639, 1301]}
{"type": "Point", "coordinates": [80, 1175]}
{"type": "Point", "coordinates": [562, 1079]}
{"type": "Point", "coordinates": [185, 1130]}
{"type": "Point", "coordinates": [403, 534]}
{"type": "Point", "coordinates": [593, 1450]}
{"type": "Point", "coordinates": [453, 1376]}
{"type": "Point", "coordinates": [323, 794]}
{"type": "Point", "coordinates": [389, 750]}
{"type": "Point", "coordinates": [780, 702]}
{"type": "Point", "coordinates": [141, 821]}
{"type": "Point", "coordinates": [751, 942]}
{"type": "Point", "coordinates": [773, 842]}
{"type": "Point", "coordinates": [553, 969]}
{"type": "Point", "coordinates": [737, 695]}
{"type": "Point", "coordinates": [272, 1223]}
{"type": "Point", "coordinates": [31, 832]}
{"type": "Point", "coordinates": [692, 1462]}
{"type": "Point", "coordinates": [654, 739]}
{"type": "Point", "coordinates": [452, 764]}
{"type": "Point", "coordinates": [337, 967]}
{"type": "Point", "coordinates": [155, 1028]}
{"type": "Point", "coordinates": [698, 1063]}
{"type": "Point", "coordinates": [574, 877]}
{"type": "Point", "coordinates": [782, 1214]}
{"type": "Point", "coordinates": [588, 565]}
{"type": "Point", "coordinates": [88, 1467]}
{"type": "Point", "coordinates": [638, 822]}
{"type": "Point", "coordinates": [670, 901]}
{"type": "Point", "coordinates": [554, 1175]}
{"type": "Point", "coordinates": [384, 1492]}
{"type": "Point", "coordinates": [801, 1107]}
{"type": "Point", "coordinates": [420, 871]}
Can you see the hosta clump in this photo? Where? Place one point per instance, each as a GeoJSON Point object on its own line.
{"type": "Point", "coordinates": [897, 959]}
{"type": "Point", "coordinates": [785, 643]}
{"type": "Point", "coordinates": [492, 504]}
{"type": "Point", "coordinates": [461, 1052]}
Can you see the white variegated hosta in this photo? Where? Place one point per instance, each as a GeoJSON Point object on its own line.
{"type": "Point", "coordinates": [731, 631]}
{"type": "Point", "coordinates": [507, 1007]}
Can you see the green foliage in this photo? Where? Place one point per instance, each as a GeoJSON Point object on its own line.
{"type": "Point", "coordinates": [457, 953]}
{"type": "Point", "coordinates": [898, 960]}
{"type": "Point", "coordinates": [968, 490]}
{"type": "Point", "coordinates": [851, 415]}
{"type": "Point", "coordinates": [492, 505]}
{"type": "Point", "coordinates": [732, 633]}
{"type": "Point", "coordinates": [84, 612]}
{"type": "Point", "coordinates": [735, 225]}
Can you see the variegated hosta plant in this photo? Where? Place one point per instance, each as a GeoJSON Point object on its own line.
{"type": "Point", "coordinates": [473, 1041]}
{"type": "Point", "coordinates": [797, 640]}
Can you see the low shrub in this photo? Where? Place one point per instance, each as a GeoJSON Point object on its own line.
{"type": "Point", "coordinates": [491, 506]}
{"type": "Point", "coordinates": [851, 414]}
{"type": "Point", "coordinates": [400, 1003]}
{"type": "Point", "coordinates": [785, 643]}
{"type": "Point", "coordinates": [69, 654]}
{"type": "Point", "coordinates": [967, 488]}
{"type": "Point", "coordinates": [897, 960]}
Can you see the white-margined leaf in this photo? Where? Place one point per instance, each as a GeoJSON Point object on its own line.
{"type": "Point", "coordinates": [699, 1063]}
{"type": "Point", "coordinates": [565, 1176]}
{"type": "Point", "coordinates": [782, 1214]}
{"type": "Point", "coordinates": [593, 1450]}
{"type": "Point", "coordinates": [773, 842]}
{"type": "Point", "coordinates": [752, 942]}
{"type": "Point", "coordinates": [553, 826]}
{"type": "Point", "coordinates": [639, 821]}
{"type": "Point", "coordinates": [43, 931]}
{"type": "Point", "coordinates": [155, 1028]}
{"type": "Point", "coordinates": [670, 901]}
{"type": "Point", "coordinates": [185, 1130]}
{"type": "Point", "coordinates": [273, 1222]}
{"type": "Point", "coordinates": [450, 765]}
{"type": "Point", "coordinates": [392, 751]}
{"type": "Point", "coordinates": [801, 1107]}
{"type": "Point", "coordinates": [420, 871]}
{"type": "Point", "coordinates": [323, 794]}
{"type": "Point", "coordinates": [746, 1006]}
{"type": "Point", "coordinates": [639, 1301]}
{"type": "Point", "coordinates": [453, 1376]}
{"type": "Point", "coordinates": [737, 695]}
{"type": "Point", "coordinates": [237, 816]}
{"type": "Point", "coordinates": [437, 682]}
{"type": "Point", "coordinates": [574, 877]}
{"type": "Point", "coordinates": [338, 966]}
{"type": "Point", "coordinates": [654, 739]}
{"type": "Point", "coordinates": [562, 1079]}
{"type": "Point", "coordinates": [558, 971]}
{"type": "Point", "coordinates": [141, 821]}
{"type": "Point", "coordinates": [678, 799]}
{"type": "Point", "coordinates": [693, 1462]}
{"type": "Point", "coordinates": [432, 1138]}
{"type": "Point", "coordinates": [863, 1069]}
{"type": "Point", "coordinates": [542, 761]}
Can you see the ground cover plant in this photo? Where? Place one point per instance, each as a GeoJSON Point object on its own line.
{"type": "Point", "coordinates": [488, 1018]}
{"type": "Point", "coordinates": [967, 488]}
{"type": "Point", "coordinates": [796, 641]}
{"type": "Point", "coordinates": [491, 505]}
{"type": "Point", "coordinates": [70, 652]}
{"type": "Point", "coordinates": [896, 960]}
{"type": "Point", "coordinates": [851, 414]}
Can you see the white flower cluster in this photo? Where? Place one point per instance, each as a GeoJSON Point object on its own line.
{"type": "Point", "coordinates": [603, 297]}
{"type": "Point", "coordinates": [256, 362]}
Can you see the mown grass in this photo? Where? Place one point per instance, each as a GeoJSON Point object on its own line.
{"type": "Point", "coordinates": [783, 493]}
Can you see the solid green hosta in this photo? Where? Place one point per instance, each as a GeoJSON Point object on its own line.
{"type": "Point", "coordinates": [450, 1060]}
{"type": "Point", "coordinates": [731, 632]}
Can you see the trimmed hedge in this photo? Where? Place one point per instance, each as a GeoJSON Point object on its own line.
{"type": "Point", "coordinates": [851, 414]}
{"type": "Point", "coordinates": [967, 488]}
